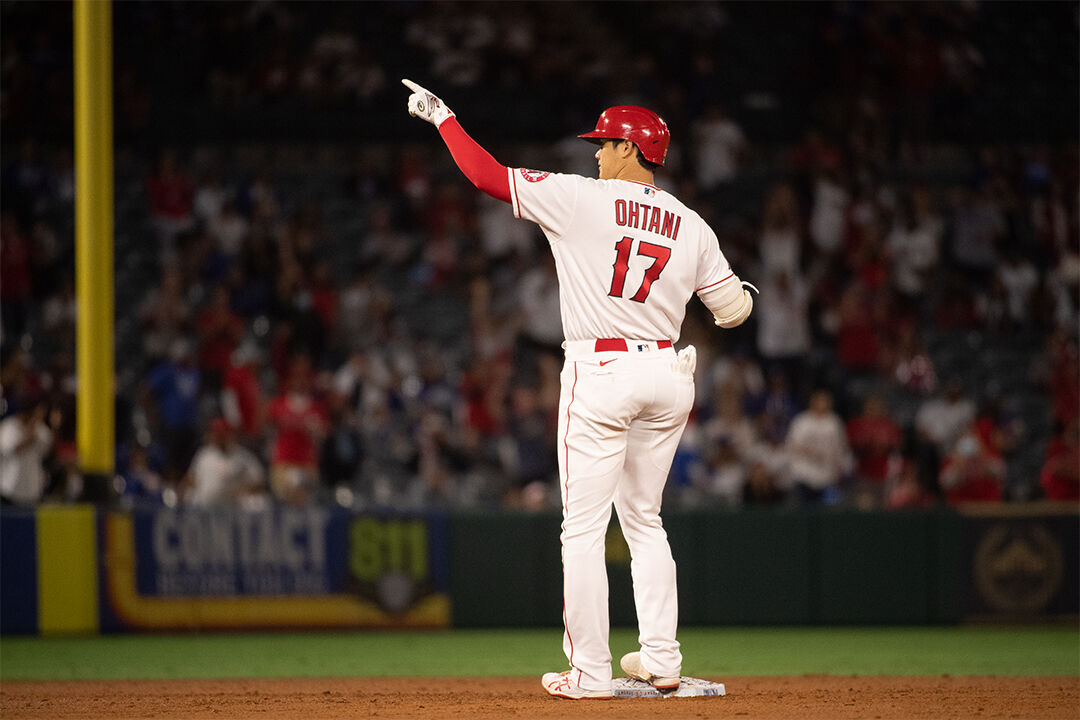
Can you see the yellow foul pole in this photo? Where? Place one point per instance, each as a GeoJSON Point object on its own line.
{"type": "Point", "coordinates": [94, 241]}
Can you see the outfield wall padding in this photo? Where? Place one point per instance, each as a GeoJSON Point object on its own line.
{"type": "Point", "coordinates": [87, 569]}
{"type": "Point", "coordinates": [748, 567]}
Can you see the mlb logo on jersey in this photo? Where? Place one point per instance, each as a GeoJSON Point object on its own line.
{"type": "Point", "coordinates": [648, 191]}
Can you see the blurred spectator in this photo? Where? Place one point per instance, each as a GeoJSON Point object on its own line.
{"type": "Point", "coordinates": [502, 235]}
{"type": "Point", "coordinates": [814, 154]}
{"type": "Point", "coordinates": [18, 377]}
{"type": "Point", "coordinates": [939, 423]}
{"type": "Point", "coordinates": [1058, 300]}
{"type": "Point", "coordinates": [219, 331]}
{"type": "Point", "coordinates": [999, 431]}
{"type": "Point", "coordinates": [174, 386]}
{"type": "Point", "coordinates": [385, 244]}
{"type": "Point", "coordinates": [363, 305]}
{"type": "Point", "coordinates": [914, 244]}
{"type": "Point", "coordinates": [828, 211]}
{"type": "Point", "coordinates": [817, 451]}
{"type": "Point", "coordinates": [906, 361]}
{"type": "Point", "coordinates": [1064, 357]}
{"type": "Point", "coordinates": [783, 325]}
{"type": "Point", "coordinates": [720, 145]}
{"type": "Point", "coordinates": [732, 378]}
{"type": "Point", "coordinates": [164, 314]}
{"type": "Point", "coordinates": [242, 401]}
{"type": "Point", "coordinates": [1019, 279]}
{"type": "Point", "coordinates": [875, 441]}
{"type": "Point", "coordinates": [774, 411]}
{"type": "Point", "coordinates": [762, 484]}
{"type": "Point", "coordinates": [484, 395]}
{"type": "Point", "coordinates": [60, 385]}
{"type": "Point", "coordinates": [781, 243]}
{"type": "Point", "coordinates": [688, 477]}
{"type": "Point", "coordinates": [725, 477]}
{"type": "Point", "coordinates": [978, 228]}
{"type": "Point", "coordinates": [906, 490]}
{"type": "Point", "coordinates": [1060, 474]}
{"type": "Point", "coordinates": [992, 306]}
{"type": "Point", "coordinates": [171, 193]}
{"type": "Point", "coordinates": [230, 229]}
{"type": "Point", "coordinates": [971, 472]}
{"type": "Point", "coordinates": [141, 480]}
{"type": "Point", "coordinates": [324, 295]}
{"type": "Point", "coordinates": [224, 473]}
{"type": "Point", "coordinates": [532, 429]}
{"type": "Point", "coordinates": [59, 312]}
{"type": "Point", "coordinates": [731, 426]}
{"type": "Point", "coordinates": [258, 200]}
{"type": "Point", "coordinates": [299, 422]}
{"type": "Point", "coordinates": [25, 441]}
{"type": "Point", "coordinates": [442, 455]}
{"type": "Point", "coordinates": [858, 346]}
{"type": "Point", "coordinates": [341, 454]}
{"type": "Point", "coordinates": [15, 288]}
{"type": "Point", "coordinates": [1050, 220]}
{"type": "Point", "coordinates": [209, 199]}
{"type": "Point", "coordinates": [538, 304]}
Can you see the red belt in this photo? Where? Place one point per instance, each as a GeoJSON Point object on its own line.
{"type": "Point", "coordinates": [619, 345]}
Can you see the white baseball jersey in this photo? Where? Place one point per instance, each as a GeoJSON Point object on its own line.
{"type": "Point", "coordinates": [628, 254]}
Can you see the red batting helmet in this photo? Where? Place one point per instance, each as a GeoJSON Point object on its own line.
{"type": "Point", "coordinates": [642, 127]}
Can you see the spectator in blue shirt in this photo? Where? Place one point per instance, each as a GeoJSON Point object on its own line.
{"type": "Point", "coordinates": [174, 387]}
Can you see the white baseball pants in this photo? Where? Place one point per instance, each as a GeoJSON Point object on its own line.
{"type": "Point", "coordinates": [621, 415]}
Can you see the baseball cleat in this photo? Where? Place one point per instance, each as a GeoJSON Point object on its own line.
{"type": "Point", "coordinates": [559, 684]}
{"type": "Point", "coordinates": [631, 665]}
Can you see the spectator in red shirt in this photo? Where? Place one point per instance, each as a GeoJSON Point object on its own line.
{"type": "Point", "coordinates": [242, 399]}
{"type": "Point", "coordinates": [14, 276]}
{"type": "Point", "coordinates": [171, 193]}
{"type": "Point", "coordinates": [906, 361]}
{"type": "Point", "coordinates": [300, 422]}
{"type": "Point", "coordinates": [324, 294]}
{"type": "Point", "coordinates": [1064, 380]}
{"type": "Point", "coordinates": [906, 491]}
{"type": "Point", "coordinates": [999, 431]}
{"type": "Point", "coordinates": [875, 440]}
{"type": "Point", "coordinates": [220, 331]}
{"type": "Point", "coordinates": [857, 345]}
{"type": "Point", "coordinates": [1060, 476]}
{"type": "Point", "coordinates": [971, 473]}
{"type": "Point", "coordinates": [485, 394]}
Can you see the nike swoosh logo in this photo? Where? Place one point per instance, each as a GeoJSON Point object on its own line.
{"type": "Point", "coordinates": [605, 362]}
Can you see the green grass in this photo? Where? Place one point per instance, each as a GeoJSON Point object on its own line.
{"type": "Point", "coordinates": [708, 652]}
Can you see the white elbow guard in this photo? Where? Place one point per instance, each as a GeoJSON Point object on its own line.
{"type": "Point", "coordinates": [730, 302]}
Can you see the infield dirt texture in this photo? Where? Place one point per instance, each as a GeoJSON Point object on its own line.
{"type": "Point", "coordinates": [819, 673]}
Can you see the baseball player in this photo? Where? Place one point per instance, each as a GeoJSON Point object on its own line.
{"type": "Point", "coordinates": [628, 256]}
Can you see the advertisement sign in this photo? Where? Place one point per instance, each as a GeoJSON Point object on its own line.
{"type": "Point", "coordinates": [284, 567]}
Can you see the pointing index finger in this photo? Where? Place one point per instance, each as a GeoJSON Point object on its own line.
{"type": "Point", "coordinates": [411, 85]}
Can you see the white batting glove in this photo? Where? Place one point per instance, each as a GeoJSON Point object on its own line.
{"type": "Point", "coordinates": [426, 106]}
{"type": "Point", "coordinates": [686, 360]}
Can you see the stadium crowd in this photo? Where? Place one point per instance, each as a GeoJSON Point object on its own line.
{"type": "Point", "coordinates": [352, 322]}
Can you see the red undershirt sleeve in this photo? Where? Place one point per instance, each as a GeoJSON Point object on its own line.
{"type": "Point", "coordinates": [483, 171]}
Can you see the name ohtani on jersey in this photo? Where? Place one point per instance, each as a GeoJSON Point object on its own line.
{"type": "Point", "coordinates": [648, 218]}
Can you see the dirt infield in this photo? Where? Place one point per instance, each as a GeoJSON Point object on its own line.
{"type": "Point", "coordinates": [751, 698]}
